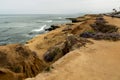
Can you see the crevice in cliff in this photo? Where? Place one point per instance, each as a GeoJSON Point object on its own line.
{"type": "Point", "coordinates": [72, 42]}
{"type": "Point", "coordinates": [19, 59]}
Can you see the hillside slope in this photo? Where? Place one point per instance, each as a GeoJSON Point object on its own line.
{"type": "Point", "coordinates": [98, 61]}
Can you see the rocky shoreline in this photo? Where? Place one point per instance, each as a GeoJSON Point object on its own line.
{"type": "Point", "coordinates": [40, 53]}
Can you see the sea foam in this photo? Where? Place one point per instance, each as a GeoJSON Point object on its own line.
{"type": "Point", "coordinates": [47, 21]}
{"type": "Point", "coordinates": [40, 29]}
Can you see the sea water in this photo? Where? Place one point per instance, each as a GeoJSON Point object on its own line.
{"type": "Point", "coordinates": [20, 28]}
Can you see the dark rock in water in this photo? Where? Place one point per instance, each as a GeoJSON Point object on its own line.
{"type": "Point", "coordinates": [53, 27]}
{"type": "Point", "coordinates": [31, 33]}
{"type": "Point", "coordinates": [70, 24]}
{"type": "Point", "coordinates": [73, 19]}
{"type": "Point", "coordinates": [72, 42]}
{"type": "Point", "coordinates": [6, 22]}
{"type": "Point", "coordinates": [49, 29]}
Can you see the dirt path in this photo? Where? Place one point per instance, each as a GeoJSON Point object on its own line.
{"type": "Point", "coordinates": [100, 61]}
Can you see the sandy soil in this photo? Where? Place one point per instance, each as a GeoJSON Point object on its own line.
{"type": "Point", "coordinates": [40, 44]}
{"type": "Point", "coordinates": [99, 61]}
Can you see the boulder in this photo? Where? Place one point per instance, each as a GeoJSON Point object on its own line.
{"type": "Point", "coordinates": [53, 27]}
{"type": "Point", "coordinates": [79, 19]}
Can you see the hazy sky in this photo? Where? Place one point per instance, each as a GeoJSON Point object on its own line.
{"type": "Point", "coordinates": [56, 6]}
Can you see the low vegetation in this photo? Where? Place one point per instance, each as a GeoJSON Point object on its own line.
{"type": "Point", "coordinates": [102, 30]}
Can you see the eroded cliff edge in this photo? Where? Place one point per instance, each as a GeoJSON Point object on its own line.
{"type": "Point", "coordinates": [85, 37]}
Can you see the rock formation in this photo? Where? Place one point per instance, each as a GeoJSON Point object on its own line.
{"type": "Point", "coordinates": [6, 74]}
{"type": "Point", "coordinates": [72, 42]}
{"type": "Point", "coordinates": [19, 59]}
{"type": "Point", "coordinates": [53, 27]}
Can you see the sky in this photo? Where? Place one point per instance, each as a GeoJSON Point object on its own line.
{"type": "Point", "coordinates": [57, 6]}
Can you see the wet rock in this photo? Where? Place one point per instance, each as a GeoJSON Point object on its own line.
{"type": "Point", "coordinates": [74, 20]}
{"type": "Point", "coordinates": [53, 27]}
{"type": "Point", "coordinates": [30, 33]}
{"type": "Point", "coordinates": [69, 24]}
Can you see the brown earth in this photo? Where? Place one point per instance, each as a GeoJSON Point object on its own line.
{"type": "Point", "coordinates": [19, 59]}
{"type": "Point", "coordinates": [97, 61]}
{"type": "Point", "coordinates": [6, 74]}
{"type": "Point", "coordinates": [42, 43]}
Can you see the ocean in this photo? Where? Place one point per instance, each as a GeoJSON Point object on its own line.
{"type": "Point", "coordinates": [20, 28]}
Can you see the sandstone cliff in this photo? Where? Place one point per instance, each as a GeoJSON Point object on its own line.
{"type": "Point", "coordinates": [66, 53]}
{"type": "Point", "coordinates": [97, 59]}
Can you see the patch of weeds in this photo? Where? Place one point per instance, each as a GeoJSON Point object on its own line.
{"type": "Point", "coordinates": [90, 31]}
{"type": "Point", "coordinates": [17, 69]}
{"type": "Point", "coordinates": [48, 69]}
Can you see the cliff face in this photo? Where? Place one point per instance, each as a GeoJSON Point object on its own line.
{"type": "Point", "coordinates": [99, 60]}
{"type": "Point", "coordinates": [6, 74]}
{"type": "Point", "coordinates": [42, 43]}
{"type": "Point", "coordinates": [71, 43]}
{"type": "Point", "coordinates": [19, 59]}
{"type": "Point", "coordinates": [27, 60]}
{"type": "Point", "coordinates": [64, 54]}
